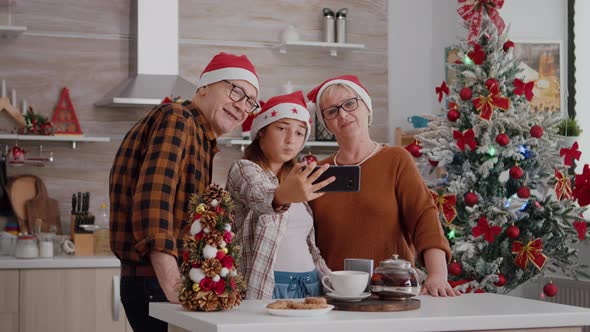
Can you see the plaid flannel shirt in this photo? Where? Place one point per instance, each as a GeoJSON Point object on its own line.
{"type": "Point", "coordinates": [259, 228]}
{"type": "Point", "coordinates": [163, 159]}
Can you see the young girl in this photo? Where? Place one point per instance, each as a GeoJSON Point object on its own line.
{"type": "Point", "coordinates": [273, 222]}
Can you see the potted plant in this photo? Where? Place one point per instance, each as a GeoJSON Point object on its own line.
{"type": "Point", "coordinates": [570, 130]}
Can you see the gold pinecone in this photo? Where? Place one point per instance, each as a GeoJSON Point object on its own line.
{"type": "Point", "coordinates": [214, 238]}
{"type": "Point", "coordinates": [228, 301]}
{"type": "Point", "coordinates": [214, 191]}
{"type": "Point", "coordinates": [209, 302]}
{"type": "Point", "coordinates": [188, 299]}
{"type": "Point", "coordinates": [185, 267]}
{"type": "Point", "coordinates": [211, 267]}
{"type": "Point", "coordinates": [209, 220]}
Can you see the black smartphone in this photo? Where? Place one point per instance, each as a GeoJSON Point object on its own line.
{"type": "Point", "coordinates": [348, 179]}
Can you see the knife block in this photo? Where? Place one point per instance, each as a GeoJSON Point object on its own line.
{"type": "Point", "coordinates": [84, 244]}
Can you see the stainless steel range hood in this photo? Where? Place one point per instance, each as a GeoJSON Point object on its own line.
{"type": "Point", "coordinates": [157, 59]}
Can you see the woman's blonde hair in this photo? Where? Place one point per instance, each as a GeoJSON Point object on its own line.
{"type": "Point", "coordinates": [254, 153]}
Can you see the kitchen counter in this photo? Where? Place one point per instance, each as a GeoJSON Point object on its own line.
{"type": "Point", "coordinates": [463, 313]}
{"type": "Point", "coordinates": [59, 262]}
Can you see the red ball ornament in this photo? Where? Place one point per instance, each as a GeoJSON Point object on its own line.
{"type": "Point", "coordinates": [433, 163]}
{"type": "Point", "coordinates": [516, 172]}
{"type": "Point", "coordinates": [414, 150]}
{"type": "Point", "coordinates": [508, 45]}
{"type": "Point", "coordinates": [466, 93]}
{"type": "Point", "coordinates": [513, 232]}
{"type": "Point", "coordinates": [455, 269]}
{"type": "Point", "coordinates": [550, 289]}
{"type": "Point", "coordinates": [502, 139]}
{"type": "Point", "coordinates": [523, 192]}
{"type": "Point", "coordinates": [471, 198]}
{"type": "Point", "coordinates": [501, 280]}
{"type": "Point", "coordinates": [308, 158]}
{"type": "Point", "coordinates": [491, 82]}
{"type": "Point", "coordinates": [453, 115]}
{"type": "Point", "coordinates": [536, 131]}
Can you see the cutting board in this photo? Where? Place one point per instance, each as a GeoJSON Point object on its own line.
{"type": "Point", "coordinates": [373, 304]}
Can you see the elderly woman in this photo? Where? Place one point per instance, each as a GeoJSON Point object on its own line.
{"type": "Point", "coordinates": [394, 212]}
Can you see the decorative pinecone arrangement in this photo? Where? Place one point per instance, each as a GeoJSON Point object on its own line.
{"type": "Point", "coordinates": [210, 279]}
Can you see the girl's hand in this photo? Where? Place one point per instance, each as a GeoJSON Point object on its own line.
{"type": "Point", "coordinates": [298, 186]}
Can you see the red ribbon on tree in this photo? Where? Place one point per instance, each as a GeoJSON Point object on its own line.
{"type": "Point", "coordinates": [446, 204]}
{"type": "Point", "coordinates": [581, 191]}
{"type": "Point", "coordinates": [524, 88]}
{"type": "Point", "coordinates": [443, 88]}
{"type": "Point", "coordinates": [570, 154]}
{"type": "Point", "coordinates": [467, 137]}
{"type": "Point", "coordinates": [532, 251]}
{"type": "Point", "coordinates": [486, 104]}
{"type": "Point", "coordinates": [563, 185]}
{"type": "Point", "coordinates": [483, 228]}
{"type": "Point", "coordinates": [472, 12]}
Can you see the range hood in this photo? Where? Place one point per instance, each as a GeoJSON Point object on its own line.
{"type": "Point", "coordinates": [157, 59]}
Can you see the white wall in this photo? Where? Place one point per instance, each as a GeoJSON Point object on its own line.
{"type": "Point", "coordinates": [419, 31]}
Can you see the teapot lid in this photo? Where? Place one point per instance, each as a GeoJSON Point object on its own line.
{"type": "Point", "coordinates": [396, 263]}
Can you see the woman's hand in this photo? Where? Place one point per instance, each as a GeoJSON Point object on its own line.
{"type": "Point", "coordinates": [298, 186]}
{"type": "Point", "coordinates": [436, 284]}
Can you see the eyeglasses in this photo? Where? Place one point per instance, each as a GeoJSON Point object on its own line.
{"type": "Point", "coordinates": [237, 94]}
{"type": "Point", "coordinates": [349, 105]}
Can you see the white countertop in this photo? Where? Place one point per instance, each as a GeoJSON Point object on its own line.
{"type": "Point", "coordinates": [466, 312]}
{"type": "Point", "coordinates": [59, 262]}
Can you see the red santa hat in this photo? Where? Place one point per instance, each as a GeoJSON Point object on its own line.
{"type": "Point", "coordinates": [225, 66]}
{"type": "Point", "coordinates": [291, 106]}
{"type": "Point", "coordinates": [350, 81]}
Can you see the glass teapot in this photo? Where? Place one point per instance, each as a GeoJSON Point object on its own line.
{"type": "Point", "coordinates": [395, 279]}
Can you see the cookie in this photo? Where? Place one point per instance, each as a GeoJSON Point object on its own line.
{"type": "Point", "coordinates": [302, 306]}
{"type": "Point", "coordinates": [281, 304]}
{"type": "Point", "coordinates": [316, 300]}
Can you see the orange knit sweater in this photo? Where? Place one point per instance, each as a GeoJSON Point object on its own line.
{"type": "Point", "coordinates": [392, 214]}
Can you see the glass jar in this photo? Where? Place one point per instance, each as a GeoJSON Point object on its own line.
{"type": "Point", "coordinates": [395, 279]}
{"type": "Point", "coordinates": [46, 245]}
{"type": "Point", "coordinates": [26, 247]}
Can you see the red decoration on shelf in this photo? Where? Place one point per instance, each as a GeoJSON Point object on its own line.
{"type": "Point", "coordinates": [508, 45]}
{"type": "Point", "coordinates": [536, 131]}
{"type": "Point", "coordinates": [523, 192]}
{"type": "Point", "coordinates": [465, 138]}
{"type": "Point", "coordinates": [471, 198]}
{"type": "Point", "coordinates": [502, 139]}
{"type": "Point", "coordinates": [446, 204]}
{"type": "Point", "coordinates": [516, 172]}
{"type": "Point", "coordinates": [550, 289]}
{"type": "Point", "coordinates": [466, 93]}
{"type": "Point", "coordinates": [16, 155]}
{"type": "Point", "coordinates": [532, 251]}
{"type": "Point", "coordinates": [563, 185]}
{"type": "Point", "coordinates": [472, 12]}
{"type": "Point", "coordinates": [439, 90]}
{"type": "Point", "coordinates": [487, 104]}
{"type": "Point", "coordinates": [483, 228]}
{"type": "Point", "coordinates": [308, 158]}
{"type": "Point", "coordinates": [477, 55]}
{"type": "Point", "coordinates": [513, 232]}
{"type": "Point", "coordinates": [64, 116]}
{"type": "Point", "coordinates": [501, 280]}
{"type": "Point", "coordinates": [571, 154]}
{"type": "Point", "coordinates": [455, 269]}
{"type": "Point", "coordinates": [521, 88]}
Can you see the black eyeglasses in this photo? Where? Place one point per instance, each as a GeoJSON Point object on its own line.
{"type": "Point", "coordinates": [237, 94]}
{"type": "Point", "coordinates": [349, 105]}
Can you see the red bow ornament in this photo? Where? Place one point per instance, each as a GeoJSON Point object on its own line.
{"type": "Point", "coordinates": [581, 191]}
{"type": "Point", "coordinates": [532, 251]}
{"type": "Point", "coordinates": [483, 228]}
{"type": "Point", "coordinates": [446, 204]}
{"type": "Point", "coordinates": [524, 88]}
{"type": "Point", "coordinates": [477, 55]}
{"type": "Point", "coordinates": [563, 185]}
{"type": "Point", "coordinates": [465, 138]}
{"type": "Point", "coordinates": [443, 88]}
{"type": "Point", "coordinates": [486, 104]}
{"type": "Point", "coordinates": [570, 154]}
{"type": "Point", "coordinates": [472, 12]}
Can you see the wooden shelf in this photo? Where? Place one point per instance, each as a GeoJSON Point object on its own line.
{"type": "Point", "coordinates": [56, 138]}
{"type": "Point", "coordinates": [11, 31]}
{"type": "Point", "coordinates": [243, 142]}
{"type": "Point", "coordinates": [332, 47]}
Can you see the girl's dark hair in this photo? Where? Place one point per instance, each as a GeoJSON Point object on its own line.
{"type": "Point", "coordinates": [254, 153]}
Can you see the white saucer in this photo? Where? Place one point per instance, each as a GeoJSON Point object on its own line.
{"type": "Point", "coordinates": [345, 298]}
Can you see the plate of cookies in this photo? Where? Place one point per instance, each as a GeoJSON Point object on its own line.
{"type": "Point", "coordinates": [309, 307]}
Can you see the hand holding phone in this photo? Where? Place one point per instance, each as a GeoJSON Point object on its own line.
{"type": "Point", "coordinates": [300, 184]}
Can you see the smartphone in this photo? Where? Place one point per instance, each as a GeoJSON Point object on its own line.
{"type": "Point", "coordinates": [348, 179]}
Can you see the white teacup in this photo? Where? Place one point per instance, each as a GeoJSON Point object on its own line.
{"type": "Point", "coordinates": [346, 283]}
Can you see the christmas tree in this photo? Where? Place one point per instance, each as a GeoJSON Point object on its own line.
{"type": "Point", "coordinates": [506, 201]}
{"type": "Point", "coordinates": [210, 280]}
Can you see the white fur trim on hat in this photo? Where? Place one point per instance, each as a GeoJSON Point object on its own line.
{"type": "Point", "coordinates": [281, 111]}
{"type": "Point", "coordinates": [355, 87]}
{"type": "Point", "coordinates": [229, 73]}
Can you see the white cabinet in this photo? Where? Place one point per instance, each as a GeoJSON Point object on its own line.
{"type": "Point", "coordinates": [9, 286]}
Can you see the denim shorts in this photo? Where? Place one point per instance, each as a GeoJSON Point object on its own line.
{"type": "Point", "coordinates": [296, 285]}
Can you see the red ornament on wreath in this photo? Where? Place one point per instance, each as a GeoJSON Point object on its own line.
{"type": "Point", "coordinates": [550, 289]}
{"type": "Point", "coordinates": [513, 232]}
{"type": "Point", "coordinates": [471, 198]}
{"type": "Point", "coordinates": [455, 269]}
{"type": "Point", "coordinates": [536, 131]}
{"type": "Point", "coordinates": [64, 116]}
{"type": "Point", "coordinates": [516, 172]}
{"type": "Point", "coordinates": [502, 139]}
{"type": "Point", "coordinates": [523, 192]}
{"type": "Point", "coordinates": [466, 93]}
{"type": "Point", "coordinates": [501, 280]}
